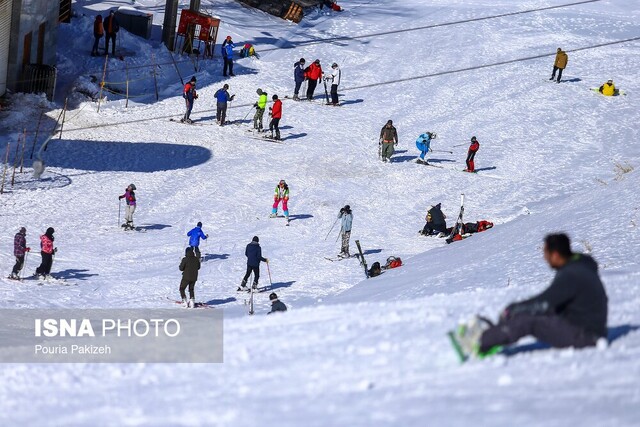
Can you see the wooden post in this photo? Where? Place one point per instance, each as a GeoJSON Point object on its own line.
{"type": "Point", "coordinates": [24, 144]}
{"type": "Point", "coordinates": [4, 170]}
{"type": "Point", "coordinates": [126, 70]}
{"type": "Point", "coordinates": [36, 137]}
{"type": "Point", "coordinates": [104, 74]}
{"type": "Point", "coordinates": [15, 161]}
{"type": "Point", "coordinates": [155, 79]}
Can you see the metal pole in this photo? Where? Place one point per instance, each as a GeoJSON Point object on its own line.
{"type": "Point", "coordinates": [334, 224]}
{"type": "Point", "coordinates": [104, 74]}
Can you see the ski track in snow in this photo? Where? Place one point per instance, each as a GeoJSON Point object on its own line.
{"type": "Point", "coordinates": [348, 352]}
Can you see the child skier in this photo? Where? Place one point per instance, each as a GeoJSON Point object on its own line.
{"type": "Point", "coordinates": [189, 94]}
{"type": "Point", "coordinates": [423, 143]}
{"type": "Point", "coordinates": [281, 194]}
{"type": "Point", "coordinates": [195, 234]}
{"type": "Point", "coordinates": [129, 197]}
{"type": "Point", "coordinates": [333, 77]}
{"type": "Point", "coordinates": [276, 304]}
{"type": "Point", "coordinates": [47, 251]}
{"type": "Point", "coordinates": [253, 252]}
{"type": "Point", "coordinates": [471, 154]}
{"type": "Point", "coordinates": [19, 251]}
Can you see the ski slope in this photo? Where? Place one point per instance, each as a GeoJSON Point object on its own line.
{"type": "Point", "coordinates": [349, 351]}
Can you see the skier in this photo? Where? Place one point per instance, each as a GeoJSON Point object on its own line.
{"type": "Point", "coordinates": [471, 154]}
{"type": "Point", "coordinates": [276, 304]}
{"type": "Point", "coordinates": [19, 250]}
{"type": "Point", "coordinates": [608, 89]}
{"type": "Point", "coordinates": [111, 28]}
{"type": "Point", "coordinates": [129, 197]}
{"type": "Point", "coordinates": [261, 105]}
{"type": "Point", "coordinates": [189, 267]}
{"type": "Point", "coordinates": [227, 56]}
{"type": "Point", "coordinates": [222, 96]}
{"type": "Point", "coordinates": [436, 221]}
{"type": "Point", "coordinates": [571, 312]}
{"type": "Point", "coordinates": [47, 251]}
{"type": "Point", "coordinates": [195, 234]}
{"type": "Point", "coordinates": [298, 77]}
{"type": "Point", "coordinates": [388, 138]}
{"type": "Point", "coordinates": [98, 32]}
{"type": "Point", "coordinates": [313, 73]}
{"type": "Point", "coordinates": [281, 194]}
{"type": "Point", "coordinates": [276, 115]}
{"type": "Point", "coordinates": [560, 64]}
{"type": "Point", "coordinates": [345, 230]}
{"type": "Point", "coordinates": [333, 77]}
{"type": "Point", "coordinates": [253, 253]}
{"type": "Point", "coordinates": [423, 143]}
{"type": "Point", "coordinates": [189, 94]}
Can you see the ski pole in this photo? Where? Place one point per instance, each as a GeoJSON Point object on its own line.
{"type": "Point", "coordinates": [442, 151]}
{"type": "Point", "coordinates": [119, 207]}
{"type": "Point", "coordinates": [334, 224]}
{"type": "Point", "coordinates": [24, 265]}
{"type": "Point", "coordinates": [339, 234]}
{"type": "Point", "coordinates": [246, 115]}
{"type": "Point", "coordinates": [460, 145]}
{"type": "Point", "coordinates": [269, 271]}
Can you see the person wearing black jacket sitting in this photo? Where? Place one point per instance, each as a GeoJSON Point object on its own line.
{"type": "Point", "coordinates": [276, 304]}
{"type": "Point", "coordinates": [436, 221]}
{"type": "Point", "coordinates": [571, 312]}
{"type": "Point", "coordinates": [253, 253]}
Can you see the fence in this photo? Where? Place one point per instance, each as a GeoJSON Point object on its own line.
{"type": "Point", "coordinates": [40, 78]}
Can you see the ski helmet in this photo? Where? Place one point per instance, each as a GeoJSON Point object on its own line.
{"type": "Point", "coordinates": [133, 187]}
{"type": "Point", "coordinates": [259, 91]}
{"type": "Point", "coordinates": [255, 239]}
{"type": "Point", "coordinates": [347, 208]}
{"type": "Point", "coordinates": [433, 135]}
{"type": "Point", "coordinates": [317, 61]}
{"type": "Point", "coordinates": [193, 79]}
{"type": "Point", "coordinates": [334, 65]}
{"type": "Point", "coordinates": [226, 86]}
{"type": "Point", "coordinates": [199, 224]}
{"type": "Point", "coordinates": [23, 230]}
{"type": "Point", "coordinates": [50, 231]}
{"type": "Point", "coordinates": [302, 60]}
{"type": "Point", "coordinates": [274, 97]}
{"type": "Point", "coordinates": [473, 139]}
{"type": "Point", "coordinates": [273, 296]}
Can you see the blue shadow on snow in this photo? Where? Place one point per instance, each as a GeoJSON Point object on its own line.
{"type": "Point", "coordinates": [122, 156]}
{"type": "Point", "coordinates": [220, 301]}
{"type": "Point", "coordinates": [301, 216]}
{"type": "Point", "coordinates": [209, 257]}
{"type": "Point", "coordinates": [72, 274]}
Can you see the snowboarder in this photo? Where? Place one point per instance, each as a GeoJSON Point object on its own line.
{"type": "Point", "coordinates": [423, 143]}
{"type": "Point", "coordinates": [19, 250]}
{"type": "Point", "coordinates": [227, 56]}
{"type": "Point", "coordinates": [253, 253]}
{"type": "Point", "coordinates": [195, 234]}
{"type": "Point", "coordinates": [261, 106]}
{"type": "Point", "coordinates": [129, 197]}
{"type": "Point", "coordinates": [98, 32]}
{"type": "Point", "coordinates": [571, 312]}
{"type": "Point", "coordinates": [222, 97]}
{"type": "Point", "coordinates": [47, 251]}
{"type": "Point", "coordinates": [560, 64]}
{"type": "Point", "coordinates": [388, 138]}
{"type": "Point", "coordinates": [298, 77]}
{"type": "Point", "coordinates": [333, 77]}
{"type": "Point", "coordinates": [276, 304]}
{"type": "Point", "coordinates": [471, 154]}
{"type": "Point", "coordinates": [436, 222]}
{"type": "Point", "coordinates": [111, 28]}
{"type": "Point", "coordinates": [345, 230]}
{"type": "Point", "coordinates": [281, 194]}
{"type": "Point", "coordinates": [313, 73]}
{"type": "Point", "coordinates": [276, 114]}
{"type": "Point", "coordinates": [189, 266]}
{"type": "Point", "coordinates": [608, 89]}
{"type": "Point", "coordinates": [190, 95]}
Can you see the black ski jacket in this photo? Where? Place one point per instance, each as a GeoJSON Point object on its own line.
{"type": "Point", "coordinates": [254, 254]}
{"type": "Point", "coordinates": [189, 266]}
{"type": "Point", "coordinates": [277, 305]}
{"type": "Point", "coordinates": [576, 294]}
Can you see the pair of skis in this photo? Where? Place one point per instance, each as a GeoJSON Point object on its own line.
{"type": "Point", "coordinates": [457, 228]}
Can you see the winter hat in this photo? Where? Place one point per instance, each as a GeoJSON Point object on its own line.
{"type": "Point", "coordinates": [347, 208]}
{"type": "Point", "coordinates": [259, 91]}
{"type": "Point", "coordinates": [273, 296]}
{"type": "Point", "coordinates": [23, 230]}
{"type": "Point", "coordinates": [228, 37]}
{"type": "Point", "coordinates": [302, 60]}
{"type": "Point", "coordinates": [50, 231]}
{"type": "Point", "coordinates": [199, 224]}
{"type": "Point", "coordinates": [255, 239]}
{"type": "Point", "coordinates": [226, 86]}
{"type": "Point", "coordinates": [390, 122]}
{"type": "Point", "coordinates": [473, 139]}
{"type": "Point", "coordinates": [193, 79]}
{"type": "Point", "coordinates": [334, 65]}
{"type": "Point", "coordinates": [274, 97]}
{"type": "Point", "coordinates": [188, 251]}
{"type": "Point", "coordinates": [317, 61]}
{"type": "Point", "coordinates": [133, 186]}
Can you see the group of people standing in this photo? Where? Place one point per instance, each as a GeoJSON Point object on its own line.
{"type": "Point", "coordinates": [109, 29]}
{"type": "Point", "coordinates": [21, 250]}
{"type": "Point", "coordinates": [313, 75]}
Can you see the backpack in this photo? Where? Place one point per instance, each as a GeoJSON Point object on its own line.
{"type": "Point", "coordinates": [393, 262]}
{"type": "Point", "coordinates": [375, 269]}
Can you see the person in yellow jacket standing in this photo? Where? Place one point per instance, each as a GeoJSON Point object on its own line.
{"type": "Point", "coordinates": [608, 89]}
{"type": "Point", "coordinates": [261, 105]}
{"type": "Point", "coordinates": [560, 64]}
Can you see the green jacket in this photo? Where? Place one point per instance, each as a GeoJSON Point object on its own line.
{"type": "Point", "coordinates": [262, 101]}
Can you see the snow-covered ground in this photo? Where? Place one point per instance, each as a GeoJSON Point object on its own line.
{"type": "Point", "coordinates": [349, 351]}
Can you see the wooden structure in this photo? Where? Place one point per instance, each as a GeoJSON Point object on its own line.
{"type": "Point", "coordinates": [197, 27]}
{"type": "Point", "coordinates": [292, 10]}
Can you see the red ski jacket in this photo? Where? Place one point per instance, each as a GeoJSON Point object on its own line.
{"type": "Point", "coordinates": [475, 146]}
{"type": "Point", "coordinates": [276, 110]}
{"type": "Point", "coordinates": [314, 72]}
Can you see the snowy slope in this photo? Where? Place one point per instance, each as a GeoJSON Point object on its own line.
{"type": "Point", "coordinates": [349, 352]}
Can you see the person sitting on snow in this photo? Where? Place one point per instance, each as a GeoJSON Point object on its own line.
{"type": "Point", "coordinates": [436, 221]}
{"type": "Point", "coordinates": [608, 89]}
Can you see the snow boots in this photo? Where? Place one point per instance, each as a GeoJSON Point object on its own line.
{"type": "Point", "coordinates": [128, 226]}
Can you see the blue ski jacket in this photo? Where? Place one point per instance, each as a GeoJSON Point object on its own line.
{"type": "Point", "coordinates": [298, 72]}
{"type": "Point", "coordinates": [195, 235]}
{"type": "Point", "coordinates": [227, 50]}
{"type": "Point", "coordinates": [222, 95]}
{"type": "Point", "coordinates": [423, 143]}
{"type": "Point", "coordinates": [347, 219]}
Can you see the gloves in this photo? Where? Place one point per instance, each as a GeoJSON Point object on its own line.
{"type": "Point", "coordinates": [55, 250]}
{"type": "Point", "coordinates": [207, 235]}
{"type": "Point", "coordinates": [267, 260]}
{"type": "Point", "coordinates": [255, 105]}
{"type": "Point", "coordinates": [195, 96]}
{"type": "Point", "coordinates": [120, 197]}
{"type": "Point", "coordinates": [27, 249]}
